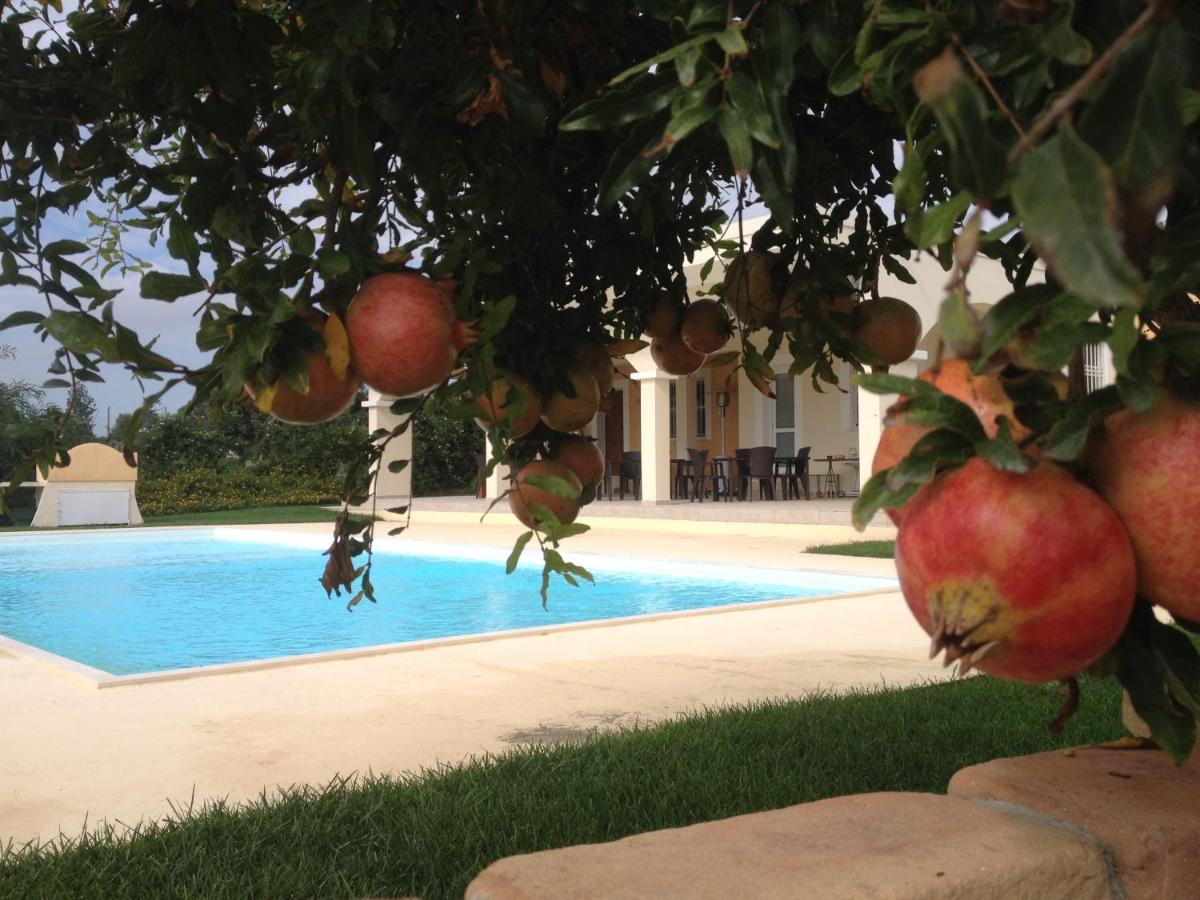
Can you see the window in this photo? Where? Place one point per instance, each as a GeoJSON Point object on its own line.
{"type": "Point", "coordinates": [1093, 366]}
{"type": "Point", "coordinates": [701, 408]}
{"type": "Point", "coordinates": [671, 414]}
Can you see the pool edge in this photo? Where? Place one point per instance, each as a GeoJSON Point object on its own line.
{"type": "Point", "coordinates": [103, 680]}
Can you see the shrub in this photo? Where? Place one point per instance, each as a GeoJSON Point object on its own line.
{"type": "Point", "coordinates": [204, 489]}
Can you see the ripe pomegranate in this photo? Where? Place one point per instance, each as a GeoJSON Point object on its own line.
{"type": "Point", "coordinates": [404, 337]}
{"type": "Point", "coordinates": [523, 494]}
{"type": "Point", "coordinates": [675, 357]}
{"type": "Point", "coordinates": [706, 327]}
{"type": "Point", "coordinates": [590, 356]}
{"type": "Point", "coordinates": [328, 395]}
{"type": "Point", "coordinates": [663, 320]}
{"type": "Point", "coordinates": [563, 413]}
{"type": "Point", "coordinates": [494, 404]}
{"type": "Point", "coordinates": [890, 329]}
{"type": "Point", "coordinates": [750, 290]}
{"type": "Point", "coordinates": [983, 393]}
{"type": "Point", "coordinates": [1028, 577]}
{"type": "Point", "coordinates": [1147, 466]}
{"type": "Point", "coordinates": [581, 456]}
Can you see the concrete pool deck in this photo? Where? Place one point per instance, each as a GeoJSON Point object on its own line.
{"type": "Point", "coordinates": [72, 753]}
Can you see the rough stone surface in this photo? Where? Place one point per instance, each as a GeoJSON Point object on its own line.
{"type": "Point", "coordinates": [1137, 803]}
{"type": "Point", "coordinates": [868, 845]}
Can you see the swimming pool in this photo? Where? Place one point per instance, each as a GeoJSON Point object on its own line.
{"type": "Point", "coordinates": [134, 602]}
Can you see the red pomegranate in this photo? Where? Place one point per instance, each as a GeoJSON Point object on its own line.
{"type": "Point", "coordinates": [563, 413]}
{"type": "Point", "coordinates": [983, 393]}
{"type": "Point", "coordinates": [890, 329]}
{"type": "Point", "coordinates": [675, 357]}
{"type": "Point", "coordinates": [328, 395]}
{"type": "Point", "coordinates": [523, 494]}
{"type": "Point", "coordinates": [1028, 577]}
{"type": "Point", "coordinates": [404, 337]}
{"type": "Point", "coordinates": [581, 456]}
{"type": "Point", "coordinates": [1147, 466]}
{"type": "Point", "coordinates": [749, 288]}
{"type": "Point", "coordinates": [706, 327]}
{"type": "Point", "coordinates": [591, 356]}
{"type": "Point", "coordinates": [663, 320]}
{"type": "Point", "coordinates": [494, 405]}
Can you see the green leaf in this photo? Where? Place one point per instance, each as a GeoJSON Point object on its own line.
{"type": "Point", "coordinates": [181, 242]}
{"type": "Point", "coordinates": [688, 120]}
{"type": "Point", "coordinates": [1012, 312]}
{"type": "Point", "coordinates": [77, 331]}
{"type": "Point", "coordinates": [732, 41]}
{"type": "Point", "coordinates": [1065, 196]}
{"type": "Point", "coordinates": [64, 248]}
{"type": "Point", "coordinates": [1160, 668]}
{"type": "Point", "coordinates": [1135, 121]}
{"type": "Point", "coordinates": [513, 558]}
{"type": "Point", "coordinates": [933, 453]}
{"type": "Point", "coordinates": [165, 286]}
{"type": "Point", "coordinates": [629, 164]}
{"type": "Point", "coordinates": [1139, 394]}
{"type": "Point", "coordinates": [552, 484]}
{"type": "Point", "coordinates": [936, 224]}
{"type": "Point", "coordinates": [332, 263]}
{"type": "Point", "coordinates": [886, 383]}
{"type": "Point", "coordinates": [960, 327]}
{"type": "Point", "coordinates": [1068, 438]}
{"type": "Point", "coordinates": [737, 140]}
{"type": "Point", "coordinates": [21, 317]}
{"type": "Point", "coordinates": [1002, 452]}
{"type": "Point", "coordinates": [397, 465]}
{"type": "Point", "coordinates": [748, 101]}
{"type": "Point", "coordinates": [976, 158]}
{"type": "Point", "coordinates": [938, 410]}
{"type": "Point", "coordinates": [846, 77]}
{"type": "Point", "coordinates": [637, 100]}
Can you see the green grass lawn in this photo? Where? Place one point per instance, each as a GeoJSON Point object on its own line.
{"type": "Point", "coordinates": [261, 515]}
{"type": "Point", "coordinates": [428, 835]}
{"type": "Point", "coordinates": [873, 549]}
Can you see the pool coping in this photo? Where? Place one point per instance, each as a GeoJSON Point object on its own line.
{"type": "Point", "coordinates": [101, 679]}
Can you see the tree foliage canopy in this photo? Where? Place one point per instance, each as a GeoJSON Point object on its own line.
{"type": "Point", "coordinates": [563, 160]}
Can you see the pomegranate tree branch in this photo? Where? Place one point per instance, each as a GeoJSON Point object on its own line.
{"type": "Point", "coordinates": [1075, 92]}
{"type": "Point", "coordinates": [986, 81]}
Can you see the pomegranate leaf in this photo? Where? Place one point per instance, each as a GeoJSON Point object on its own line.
{"type": "Point", "coordinates": [1002, 452]}
{"type": "Point", "coordinates": [1068, 438]}
{"type": "Point", "coordinates": [511, 565]}
{"type": "Point", "coordinates": [1010, 314]}
{"type": "Point", "coordinates": [885, 383]}
{"type": "Point", "coordinates": [397, 465]}
{"type": "Point", "coordinates": [876, 496]}
{"type": "Point", "coordinates": [934, 452]}
{"type": "Point", "coordinates": [938, 410]}
{"type": "Point", "coordinates": [552, 484]}
{"type": "Point", "coordinates": [1160, 668]}
{"type": "Point", "coordinates": [960, 325]}
{"type": "Point", "coordinates": [637, 100]}
{"type": "Point", "coordinates": [1066, 198]}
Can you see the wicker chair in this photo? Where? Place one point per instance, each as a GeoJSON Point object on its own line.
{"type": "Point", "coordinates": [630, 473]}
{"type": "Point", "coordinates": [762, 470]}
{"type": "Point", "coordinates": [698, 481]}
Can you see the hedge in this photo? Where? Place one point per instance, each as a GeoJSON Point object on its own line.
{"type": "Point", "coordinates": [202, 490]}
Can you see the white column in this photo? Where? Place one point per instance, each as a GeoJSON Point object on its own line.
{"type": "Point", "coordinates": [497, 482]}
{"type": "Point", "coordinates": [685, 426]}
{"type": "Point", "coordinates": [656, 440]}
{"type": "Point", "coordinates": [871, 410]}
{"type": "Point", "coordinates": [390, 486]}
{"type": "Point", "coordinates": [749, 429]}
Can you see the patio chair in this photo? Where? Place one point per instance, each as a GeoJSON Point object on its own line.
{"type": "Point", "coordinates": [722, 481]}
{"type": "Point", "coordinates": [795, 479]}
{"type": "Point", "coordinates": [630, 473]}
{"type": "Point", "coordinates": [698, 481]}
{"type": "Point", "coordinates": [743, 473]}
{"type": "Point", "coordinates": [762, 470]}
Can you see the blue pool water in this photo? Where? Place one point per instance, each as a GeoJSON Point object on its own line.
{"type": "Point", "coordinates": [145, 601]}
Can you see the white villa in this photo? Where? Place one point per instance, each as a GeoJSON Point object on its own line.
{"type": "Point", "coordinates": [717, 410]}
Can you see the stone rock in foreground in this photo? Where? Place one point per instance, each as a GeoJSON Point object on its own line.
{"type": "Point", "coordinates": [896, 846]}
{"type": "Point", "coordinates": [1137, 804]}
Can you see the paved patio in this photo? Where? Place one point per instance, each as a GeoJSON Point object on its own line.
{"type": "Point", "coordinates": [73, 753]}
